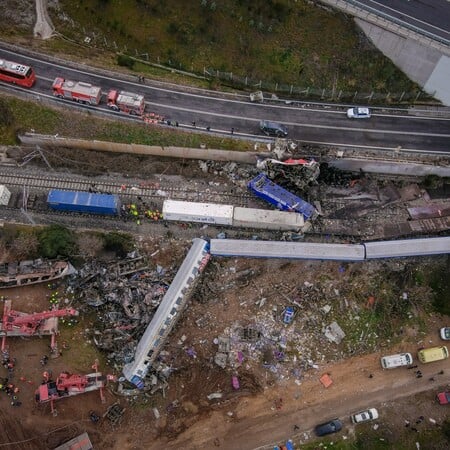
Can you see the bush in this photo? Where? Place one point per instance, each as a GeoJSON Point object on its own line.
{"type": "Point", "coordinates": [440, 284]}
{"type": "Point", "coordinates": [125, 61]}
{"type": "Point", "coordinates": [55, 241]}
{"type": "Point", "coordinates": [120, 243]}
{"type": "Point", "coordinates": [6, 115]}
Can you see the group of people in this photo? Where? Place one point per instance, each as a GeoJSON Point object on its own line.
{"type": "Point", "coordinates": [5, 384]}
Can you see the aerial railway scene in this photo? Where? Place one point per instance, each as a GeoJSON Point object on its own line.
{"type": "Point", "coordinates": [198, 258]}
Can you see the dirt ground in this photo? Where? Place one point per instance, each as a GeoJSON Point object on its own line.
{"type": "Point", "coordinates": [229, 297]}
{"type": "Point", "coordinates": [265, 408]}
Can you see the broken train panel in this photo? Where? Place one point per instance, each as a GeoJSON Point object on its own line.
{"type": "Point", "coordinates": [167, 313]}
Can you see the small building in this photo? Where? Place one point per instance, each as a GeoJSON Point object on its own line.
{"type": "Point", "coordinates": [81, 442]}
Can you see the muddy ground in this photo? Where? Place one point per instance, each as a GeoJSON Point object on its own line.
{"type": "Point", "coordinates": [367, 300]}
{"type": "Point", "coordinates": [227, 299]}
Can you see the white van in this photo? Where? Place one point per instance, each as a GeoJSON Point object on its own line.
{"type": "Point", "coordinates": [399, 360]}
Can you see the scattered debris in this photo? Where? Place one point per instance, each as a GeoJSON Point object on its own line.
{"type": "Point", "coordinates": [114, 414]}
{"type": "Point", "coordinates": [326, 380]}
{"type": "Point", "coordinates": [334, 333]}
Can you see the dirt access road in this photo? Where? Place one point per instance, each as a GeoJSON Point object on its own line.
{"type": "Point", "coordinates": [257, 422]}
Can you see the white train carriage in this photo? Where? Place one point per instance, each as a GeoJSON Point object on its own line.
{"type": "Point", "coordinates": [197, 212]}
{"type": "Point", "coordinates": [267, 219]}
{"type": "Point", "coordinates": [229, 215]}
{"type": "Point", "coordinates": [168, 313]}
{"type": "Point", "coordinates": [408, 247]}
{"type": "Point", "coordinates": [289, 250]}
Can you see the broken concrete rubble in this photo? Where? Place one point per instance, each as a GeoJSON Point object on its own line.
{"type": "Point", "coordinates": [334, 333]}
{"type": "Point", "coordinates": [125, 296]}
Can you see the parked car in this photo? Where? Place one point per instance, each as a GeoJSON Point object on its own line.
{"type": "Point", "coordinates": [398, 360]}
{"type": "Point", "coordinates": [443, 398]}
{"type": "Point", "coordinates": [445, 333]}
{"type": "Point", "coordinates": [364, 416]}
{"type": "Point", "coordinates": [273, 128]}
{"type": "Point", "coordinates": [358, 112]}
{"type": "Point", "coordinates": [332, 426]}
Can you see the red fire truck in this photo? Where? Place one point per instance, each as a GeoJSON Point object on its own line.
{"type": "Point", "coordinates": [17, 73]}
{"type": "Point", "coordinates": [126, 102]}
{"type": "Point", "coordinates": [77, 91]}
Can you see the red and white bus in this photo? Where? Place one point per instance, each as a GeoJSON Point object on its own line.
{"type": "Point", "coordinates": [15, 73]}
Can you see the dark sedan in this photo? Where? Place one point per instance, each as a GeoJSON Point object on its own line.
{"type": "Point", "coordinates": [332, 426]}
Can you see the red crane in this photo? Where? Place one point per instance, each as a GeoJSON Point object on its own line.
{"type": "Point", "coordinates": [68, 385]}
{"type": "Point", "coordinates": [15, 323]}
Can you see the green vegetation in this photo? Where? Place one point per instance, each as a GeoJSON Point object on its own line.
{"type": "Point", "coordinates": [22, 116]}
{"type": "Point", "coordinates": [125, 61]}
{"type": "Point", "coordinates": [56, 241]}
{"type": "Point", "coordinates": [276, 41]}
{"type": "Point", "coordinates": [440, 284]}
{"type": "Point", "coordinates": [120, 243]}
{"type": "Point", "coordinates": [42, 119]}
{"type": "Point", "coordinates": [388, 436]}
{"type": "Point", "coordinates": [27, 242]}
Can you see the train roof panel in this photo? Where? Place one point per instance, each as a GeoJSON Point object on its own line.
{"type": "Point", "coordinates": [290, 250]}
{"type": "Point", "coordinates": [408, 247]}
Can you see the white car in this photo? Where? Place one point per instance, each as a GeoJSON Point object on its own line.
{"type": "Point", "coordinates": [358, 113]}
{"type": "Point", "coordinates": [364, 416]}
{"type": "Point", "coordinates": [445, 333]}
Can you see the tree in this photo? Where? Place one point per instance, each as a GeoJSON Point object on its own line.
{"type": "Point", "coordinates": [55, 241]}
{"type": "Point", "coordinates": [25, 245]}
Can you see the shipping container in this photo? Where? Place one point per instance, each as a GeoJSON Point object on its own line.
{"type": "Point", "coordinates": [5, 195]}
{"type": "Point", "coordinates": [198, 212]}
{"type": "Point", "coordinates": [267, 219]}
{"type": "Point", "coordinates": [279, 197]}
{"type": "Point", "coordinates": [85, 202]}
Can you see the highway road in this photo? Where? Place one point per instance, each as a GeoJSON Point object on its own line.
{"type": "Point", "coordinates": [431, 16]}
{"type": "Point", "coordinates": [317, 123]}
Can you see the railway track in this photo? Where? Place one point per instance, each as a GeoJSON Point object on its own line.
{"type": "Point", "coordinates": [30, 189]}
{"type": "Point", "coordinates": [128, 190]}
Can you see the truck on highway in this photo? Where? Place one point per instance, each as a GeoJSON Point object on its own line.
{"type": "Point", "coordinates": [77, 91]}
{"type": "Point", "coordinates": [89, 94]}
{"type": "Point", "coordinates": [126, 102]}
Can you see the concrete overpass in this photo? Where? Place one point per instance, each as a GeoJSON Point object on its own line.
{"type": "Point", "coordinates": [414, 35]}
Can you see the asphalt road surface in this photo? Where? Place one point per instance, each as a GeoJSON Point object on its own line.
{"type": "Point", "coordinates": [307, 122]}
{"type": "Point", "coordinates": [432, 16]}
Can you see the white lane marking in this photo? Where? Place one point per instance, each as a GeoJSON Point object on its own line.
{"type": "Point", "coordinates": [410, 17]}
{"type": "Point", "coordinates": [307, 125]}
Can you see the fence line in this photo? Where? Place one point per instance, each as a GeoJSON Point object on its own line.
{"type": "Point", "coordinates": [290, 90]}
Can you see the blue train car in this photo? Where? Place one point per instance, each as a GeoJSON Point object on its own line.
{"type": "Point", "coordinates": [84, 202]}
{"type": "Point", "coordinates": [284, 200]}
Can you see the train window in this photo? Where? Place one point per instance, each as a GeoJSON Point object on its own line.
{"type": "Point", "coordinates": [162, 331]}
{"type": "Point", "coordinates": [179, 300]}
{"type": "Point", "coordinates": [173, 311]}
